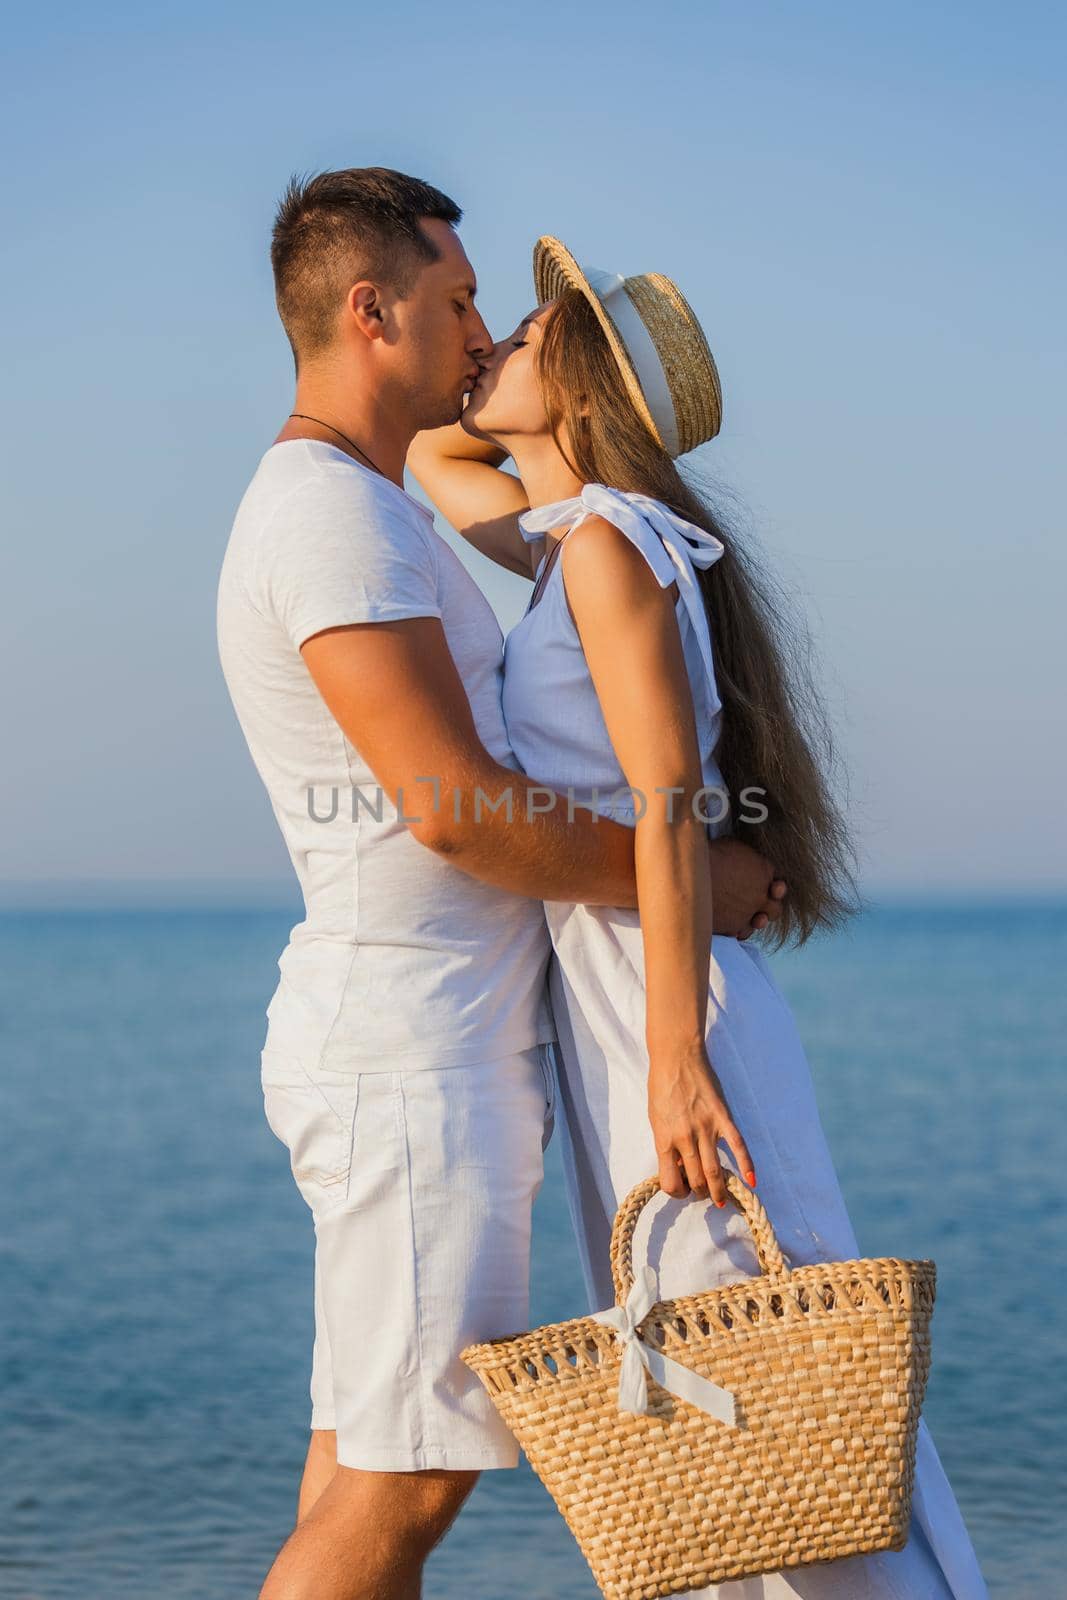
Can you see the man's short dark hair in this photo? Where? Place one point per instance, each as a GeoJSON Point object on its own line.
{"type": "Point", "coordinates": [332, 229]}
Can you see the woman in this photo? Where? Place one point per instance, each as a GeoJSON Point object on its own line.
{"type": "Point", "coordinates": [651, 679]}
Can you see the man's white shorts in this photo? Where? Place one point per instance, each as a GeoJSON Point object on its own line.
{"type": "Point", "coordinates": [421, 1185]}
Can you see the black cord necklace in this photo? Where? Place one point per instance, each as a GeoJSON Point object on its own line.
{"type": "Point", "coordinates": [305, 418]}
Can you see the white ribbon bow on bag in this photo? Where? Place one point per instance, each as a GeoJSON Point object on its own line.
{"type": "Point", "coordinates": [639, 1358]}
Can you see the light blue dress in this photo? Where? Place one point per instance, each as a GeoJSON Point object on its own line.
{"type": "Point", "coordinates": [557, 731]}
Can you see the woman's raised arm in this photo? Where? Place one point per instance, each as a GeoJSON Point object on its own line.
{"type": "Point", "coordinates": [463, 478]}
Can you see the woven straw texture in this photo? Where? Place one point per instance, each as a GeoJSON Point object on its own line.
{"type": "Point", "coordinates": [828, 1366]}
{"type": "Point", "coordinates": [692, 376]}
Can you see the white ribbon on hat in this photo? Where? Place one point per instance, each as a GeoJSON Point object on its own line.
{"type": "Point", "coordinates": [610, 291]}
{"type": "Point", "coordinates": [639, 1358]}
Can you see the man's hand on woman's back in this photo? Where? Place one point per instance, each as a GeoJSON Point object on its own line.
{"type": "Point", "coordinates": [745, 894]}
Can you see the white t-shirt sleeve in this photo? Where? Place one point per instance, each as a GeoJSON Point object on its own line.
{"type": "Point", "coordinates": [336, 553]}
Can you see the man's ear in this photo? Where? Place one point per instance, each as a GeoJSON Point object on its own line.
{"type": "Point", "coordinates": [365, 306]}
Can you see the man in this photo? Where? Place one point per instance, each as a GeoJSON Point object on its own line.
{"type": "Point", "coordinates": [406, 1065]}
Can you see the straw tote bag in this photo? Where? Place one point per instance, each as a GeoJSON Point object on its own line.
{"type": "Point", "coordinates": [764, 1424]}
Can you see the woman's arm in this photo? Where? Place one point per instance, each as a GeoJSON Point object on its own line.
{"type": "Point", "coordinates": [462, 477]}
{"type": "Point", "coordinates": [629, 632]}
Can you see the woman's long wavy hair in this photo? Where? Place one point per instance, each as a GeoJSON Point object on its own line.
{"type": "Point", "coordinates": [775, 735]}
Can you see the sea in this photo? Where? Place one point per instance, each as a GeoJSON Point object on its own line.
{"type": "Point", "coordinates": [156, 1258]}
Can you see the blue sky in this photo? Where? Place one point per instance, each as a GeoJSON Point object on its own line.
{"type": "Point", "coordinates": [864, 206]}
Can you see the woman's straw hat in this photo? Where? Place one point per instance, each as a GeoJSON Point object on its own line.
{"type": "Point", "coordinates": [658, 343]}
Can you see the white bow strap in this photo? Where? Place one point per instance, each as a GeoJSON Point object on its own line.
{"type": "Point", "coordinates": [687, 545]}
{"type": "Point", "coordinates": [639, 1358]}
{"type": "Point", "coordinates": [702, 547]}
{"type": "Point", "coordinates": [539, 519]}
{"type": "Point", "coordinates": [680, 547]}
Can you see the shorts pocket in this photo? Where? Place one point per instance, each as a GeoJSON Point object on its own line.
{"type": "Point", "coordinates": [315, 1121]}
{"type": "Point", "coordinates": [546, 1057]}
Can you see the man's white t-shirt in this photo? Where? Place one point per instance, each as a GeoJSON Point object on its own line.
{"type": "Point", "coordinates": [402, 959]}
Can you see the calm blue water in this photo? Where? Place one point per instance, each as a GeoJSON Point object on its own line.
{"type": "Point", "coordinates": [156, 1266]}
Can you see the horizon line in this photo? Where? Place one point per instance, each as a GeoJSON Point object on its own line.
{"type": "Point", "coordinates": [273, 894]}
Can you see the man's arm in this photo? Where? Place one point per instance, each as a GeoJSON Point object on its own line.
{"type": "Point", "coordinates": [394, 690]}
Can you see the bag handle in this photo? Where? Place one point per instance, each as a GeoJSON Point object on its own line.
{"type": "Point", "coordinates": [772, 1262]}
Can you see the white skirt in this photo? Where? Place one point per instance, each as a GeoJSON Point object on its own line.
{"type": "Point", "coordinates": [597, 985]}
